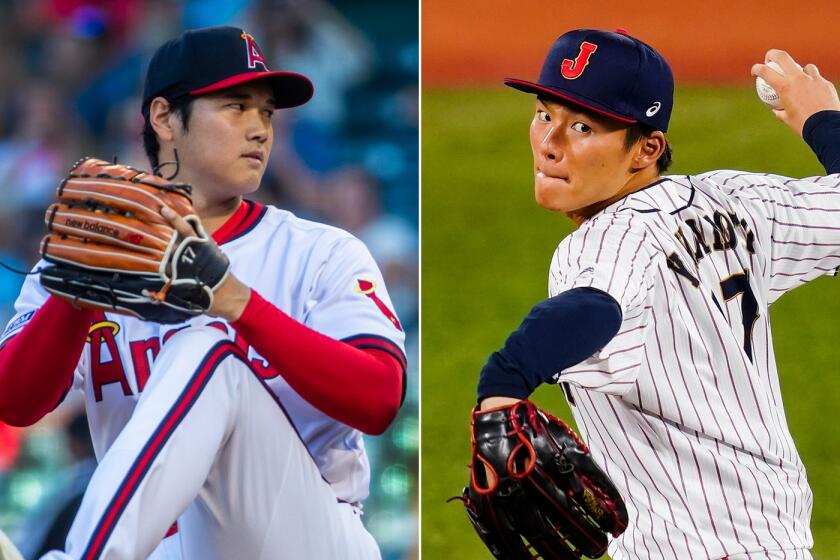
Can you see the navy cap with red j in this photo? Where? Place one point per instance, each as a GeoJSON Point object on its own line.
{"type": "Point", "coordinates": [214, 58]}
{"type": "Point", "coordinates": [610, 73]}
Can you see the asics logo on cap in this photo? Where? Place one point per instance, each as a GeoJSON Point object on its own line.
{"type": "Point", "coordinates": [653, 109]}
{"type": "Point", "coordinates": [572, 69]}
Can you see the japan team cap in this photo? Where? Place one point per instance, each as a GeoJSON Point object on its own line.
{"type": "Point", "coordinates": [610, 73]}
{"type": "Point", "coordinates": [214, 58]}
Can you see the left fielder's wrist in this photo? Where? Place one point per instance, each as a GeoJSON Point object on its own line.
{"type": "Point", "coordinates": [230, 299]}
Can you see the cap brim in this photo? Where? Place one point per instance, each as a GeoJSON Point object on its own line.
{"type": "Point", "coordinates": [290, 89]}
{"type": "Point", "coordinates": [531, 87]}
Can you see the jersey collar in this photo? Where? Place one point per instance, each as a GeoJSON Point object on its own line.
{"type": "Point", "coordinates": [246, 217]}
{"type": "Point", "coordinates": [645, 200]}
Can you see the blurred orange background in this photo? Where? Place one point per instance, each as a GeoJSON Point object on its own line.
{"type": "Point", "coordinates": [467, 42]}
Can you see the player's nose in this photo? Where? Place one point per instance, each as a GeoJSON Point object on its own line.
{"type": "Point", "coordinates": [258, 128]}
{"type": "Point", "coordinates": [551, 145]}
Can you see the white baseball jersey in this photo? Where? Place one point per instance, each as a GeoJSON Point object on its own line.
{"type": "Point", "coordinates": [321, 276]}
{"type": "Point", "coordinates": [682, 407]}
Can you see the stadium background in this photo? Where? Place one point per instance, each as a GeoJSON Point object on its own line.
{"type": "Point", "coordinates": [486, 245]}
{"type": "Point", "coordinates": [70, 76]}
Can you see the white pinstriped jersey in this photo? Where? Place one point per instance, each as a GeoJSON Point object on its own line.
{"type": "Point", "coordinates": [320, 275]}
{"type": "Point", "coordinates": [683, 407]}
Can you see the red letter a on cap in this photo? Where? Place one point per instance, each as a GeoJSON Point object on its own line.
{"type": "Point", "coordinates": [253, 52]}
{"type": "Point", "coordinates": [571, 69]}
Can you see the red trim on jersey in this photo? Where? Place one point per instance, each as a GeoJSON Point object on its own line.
{"type": "Point", "coordinates": [37, 364]}
{"type": "Point", "coordinates": [221, 234]}
{"type": "Point", "coordinates": [360, 388]}
{"type": "Point", "coordinates": [251, 219]}
{"type": "Point", "coordinates": [240, 222]}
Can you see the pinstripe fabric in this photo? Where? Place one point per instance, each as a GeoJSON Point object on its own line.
{"type": "Point", "coordinates": [683, 407]}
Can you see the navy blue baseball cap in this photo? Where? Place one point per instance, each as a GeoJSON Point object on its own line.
{"type": "Point", "coordinates": [214, 58]}
{"type": "Point", "coordinates": [610, 73]}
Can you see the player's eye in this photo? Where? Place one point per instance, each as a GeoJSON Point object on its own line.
{"type": "Point", "coordinates": [268, 112]}
{"type": "Point", "coordinates": [237, 106]}
{"type": "Point", "coordinates": [543, 116]}
{"type": "Point", "coordinates": [581, 127]}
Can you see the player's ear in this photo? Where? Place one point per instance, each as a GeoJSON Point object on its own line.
{"type": "Point", "coordinates": [648, 149]}
{"type": "Point", "coordinates": [162, 119]}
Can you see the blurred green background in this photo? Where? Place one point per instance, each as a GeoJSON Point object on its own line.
{"type": "Point", "coordinates": [486, 249]}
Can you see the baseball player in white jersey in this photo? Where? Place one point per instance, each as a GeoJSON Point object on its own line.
{"type": "Point", "coordinates": [244, 425]}
{"type": "Point", "coordinates": [682, 406]}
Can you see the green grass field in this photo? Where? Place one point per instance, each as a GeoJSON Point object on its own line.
{"type": "Point", "coordinates": [486, 248]}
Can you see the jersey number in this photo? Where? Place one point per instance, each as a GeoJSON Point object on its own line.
{"type": "Point", "coordinates": [739, 285]}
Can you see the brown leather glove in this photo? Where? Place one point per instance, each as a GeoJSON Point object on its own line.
{"type": "Point", "coordinates": [111, 249]}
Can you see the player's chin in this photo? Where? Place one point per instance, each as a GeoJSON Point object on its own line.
{"type": "Point", "coordinates": [248, 180]}
{"type": "Point", "coordinates": [554, 196]}
{"type": "Point", "coordinates": [242, 185]}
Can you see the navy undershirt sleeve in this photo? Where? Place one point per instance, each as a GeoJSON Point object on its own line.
{"type": "Point", "coordinates": [822, 133]}
{"type": "Point", "coordinates": [558, 333]}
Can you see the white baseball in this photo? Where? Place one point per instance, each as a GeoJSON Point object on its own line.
{"type": "Point", "coordinates": [765, 91]}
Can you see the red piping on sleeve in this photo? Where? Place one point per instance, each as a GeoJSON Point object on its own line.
{"type": "Point", "coordinates": [36, 365]}
{"type": "Point", "coordinates": [360, 388]}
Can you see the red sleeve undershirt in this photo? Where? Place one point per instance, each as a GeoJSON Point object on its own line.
{"type": "Point", "coordinates": [37, 365]}
{"type": "Point", "coordinates": [358, 387]}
